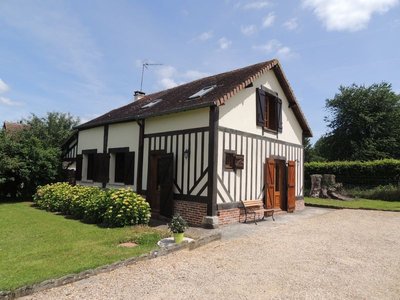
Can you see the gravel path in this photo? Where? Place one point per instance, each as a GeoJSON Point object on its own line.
{"type": "Point", "coordinates": [340, 254]}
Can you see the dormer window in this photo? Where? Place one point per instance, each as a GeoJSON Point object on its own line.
{"type": "Point", "coordinates": [269, 109]}
{"type": "Point", "coordinates": [202, 92]}
{"type": "Point", "coordinates": [152, 103]}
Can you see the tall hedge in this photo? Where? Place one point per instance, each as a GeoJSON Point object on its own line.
{"type": "Point", "coordinates": [357, 173]}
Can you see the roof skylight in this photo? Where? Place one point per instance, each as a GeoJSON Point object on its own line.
{"type": "Point", "coordinates": [203, 91]}
{"type": "Point", "coordinates": [152, 103]}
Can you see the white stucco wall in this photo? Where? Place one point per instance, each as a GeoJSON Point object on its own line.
{"type": "Point", "coordinates": [91, 139]}
{"type": "Point", "coordinates": [239, 112]}
{"type": "Point", "coordinates": [178, 121]}
{"type": "Point", "coordinates": [124, 135]}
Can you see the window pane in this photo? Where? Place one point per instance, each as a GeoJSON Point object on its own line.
{"type": "Point", "coordinates": [90, 166]}
{"type": "Point", "coordinates": [119, 167]}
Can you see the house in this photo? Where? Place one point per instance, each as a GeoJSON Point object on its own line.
{"type": "Point", "coordinates": [11, 127]}
{"type": "Point", "coordinates": [68, 153]}
{"type": "Point", "coordinates": [199, 148]}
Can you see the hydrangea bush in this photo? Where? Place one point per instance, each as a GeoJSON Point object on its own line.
{"type": "Point", "coordinates": [110, 207]}
{"type": "Point", "coordinates": [126, 208]}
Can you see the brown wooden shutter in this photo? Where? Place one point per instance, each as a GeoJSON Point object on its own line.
{"type": "Point", "coordinates": [279, 114]}
{"type": "Point", "coordinates": [78, 172]}
{"type": "Point", "coordinates": [260, 107]}
{"type": "Point", "coordinates": [269, 177]}
{"type": "Point", "coordinates": [291, 184]}
{"type": "Point", "coordinates": [129, 168]}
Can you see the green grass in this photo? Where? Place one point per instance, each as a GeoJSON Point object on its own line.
{"type": "Point", "coordinates": [36, 245]}
{"type": "Point", "coordinates": [356, 203]}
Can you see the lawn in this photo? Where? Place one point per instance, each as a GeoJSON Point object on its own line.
{"type": "Point", "coordinates": [356, 203]}
{"type": "Point", "coordinates": [36, 245]}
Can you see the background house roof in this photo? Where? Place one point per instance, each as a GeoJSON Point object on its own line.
{"type": "Point", "coordinates": [177, 99]}
{"type": "Point", "coordinates": [11, 127]}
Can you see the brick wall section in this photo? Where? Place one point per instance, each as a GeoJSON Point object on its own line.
{"type": "Point", "coordinates": [228, 216]}
{"type": "Point", "coordinates": [192, 212]}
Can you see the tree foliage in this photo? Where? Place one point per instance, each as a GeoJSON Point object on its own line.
{"type": "Point", "coordinates": [32, 156]}
{"type": "Point", "coordinates": [364, 124]}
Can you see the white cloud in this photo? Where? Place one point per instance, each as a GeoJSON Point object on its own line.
{"type": "Point", "coordinates": [9, 102]}
{"type": "Point", "coordinates": [205, 36]}
{"type": "Point", "coordinates": [169, 76]}
{"type": "Point", "coordinates": [224, 43]}
{"type": "Point", "coordinates": [346, 15]}
{"type": "Point", "coordinates": [248, 30]}
{"type": "Point", "coordinates": [291, 24]}
{"type": "Point", "coordinates": [276, 48]}
{"type": "Point", "coordinates": [3, 86]}
{"type": "Point", "coordinates": [256, 5]}
{"type": "Point", "coordinates": [166, 71]}
{"type": "Point", "coordinates": [268, 20]}
{"type": "Point", "coordinates": [168, 83]}
{"type": "Point", "coordinates": [194, 74]}
{"type": "Point", "coordinates": [270, 46]}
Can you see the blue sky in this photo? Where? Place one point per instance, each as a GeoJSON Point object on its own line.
{"type": "Point", "coordinates": [84, 57]}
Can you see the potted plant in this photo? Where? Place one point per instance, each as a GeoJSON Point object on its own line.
{"type": "Point", "coordinates": [178, 226]}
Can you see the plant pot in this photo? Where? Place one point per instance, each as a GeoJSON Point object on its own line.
{"type": "Point", "coordinates": [178, 237]}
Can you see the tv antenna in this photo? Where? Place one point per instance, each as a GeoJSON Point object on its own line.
{"type": "Point", "coordinates": [146, 66]}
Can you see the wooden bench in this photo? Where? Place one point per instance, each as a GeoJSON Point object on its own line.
{"type": "Point", "coordinates": [256, 207]}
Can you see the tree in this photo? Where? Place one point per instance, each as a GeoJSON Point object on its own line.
{"type": "Point", "coordinates": [53, 129]}
{"type": "Point", "coordinates": [310, 152]}
{"type": "Point", "coordinates": [364, 124]}
{"type": "Point", "coordinates": [32, 156]}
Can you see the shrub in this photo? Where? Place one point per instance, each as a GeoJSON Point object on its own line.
{"type": "Point", "coordinates": [93, 204]}
{"type": "Point", "coordinates": [54, 197]}
{"type": "Point", "coordinates": [357, 173]}
{"type": "Point", "coordinates": [382, 192]}
{"type": "Point", "coordinates": [126, 208]}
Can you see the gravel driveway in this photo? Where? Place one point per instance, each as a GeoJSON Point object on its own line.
{"type": "Point", "coordinates": [316, 254]}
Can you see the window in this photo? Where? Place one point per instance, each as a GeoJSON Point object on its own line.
{"type": "Point", "coordinates": [269, 109]}
{"type": "Point", "coordinates": [229, 160]}
{"type": "Point", "coordinates": [233, 161]}
{"type": "Point", "coordinates": [87, 165]}
{"type": "Point", "coordinates": [119, 167]}
{"type": "Point", "coordinates": [90, 166]}
{"type": "Point", "coordinates": [152, 103]}
{"type": "Point", "coordinates": [203, 91]}
{"type": "Point", "coordinates": [122, 164]}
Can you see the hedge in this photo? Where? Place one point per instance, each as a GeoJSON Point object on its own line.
{"type": "Point", "coordinates": [109, 207]}
{"type": "Point", "coordinates": [357, 173]}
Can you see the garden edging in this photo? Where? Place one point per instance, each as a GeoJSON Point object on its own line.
{"type": "Point", "coordinates": [70, 278]}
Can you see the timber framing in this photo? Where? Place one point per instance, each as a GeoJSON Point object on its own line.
{"type": "Point", "coordinates": [212, 150]}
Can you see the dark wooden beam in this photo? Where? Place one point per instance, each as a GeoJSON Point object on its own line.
{"type": "Point", "coordinates": [139, 180]}
{"type": "Point", "coordinates": [105, 146]}
{"type": "Point", "coordinates": [212, 161]}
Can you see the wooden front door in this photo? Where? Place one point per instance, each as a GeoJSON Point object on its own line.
{"type": "Point", "coordinates": [160, 184]}
{"type": "Point", "coordinates": [278, 187]}
{"type": "Point", "coordinates": [275, 193]}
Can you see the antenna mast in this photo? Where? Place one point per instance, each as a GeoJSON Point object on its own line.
{"type": "Point", "coordinates": [146, 65]}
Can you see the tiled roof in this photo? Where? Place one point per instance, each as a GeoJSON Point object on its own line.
{"type": "Point", "coordinates": [10, 127]}
{"type": "Point", "coordinates": [176, 99]}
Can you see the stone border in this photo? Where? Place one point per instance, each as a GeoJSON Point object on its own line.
{"type": "Point", "coordinates": [70, 278]}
